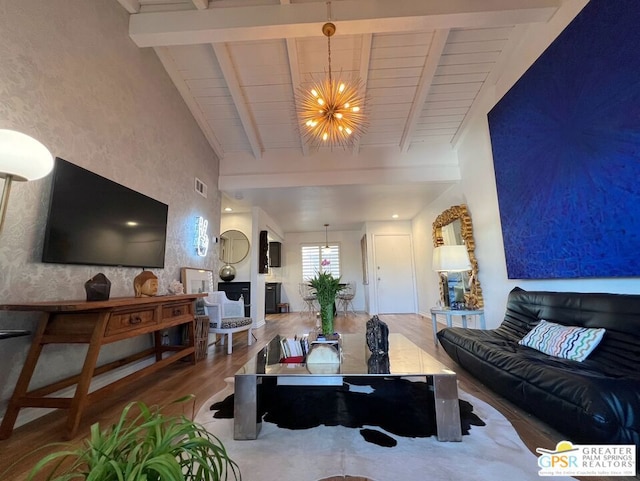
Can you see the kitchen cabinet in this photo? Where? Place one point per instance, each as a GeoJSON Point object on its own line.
{"type": "Point", "coordinates": [272, 297]}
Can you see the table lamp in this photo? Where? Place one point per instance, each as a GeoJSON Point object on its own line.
{"type": "Point", "coordinates": [450, 258]}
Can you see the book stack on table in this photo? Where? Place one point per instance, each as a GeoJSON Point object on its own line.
{"type": "Point", "coordinates": [294, 350]}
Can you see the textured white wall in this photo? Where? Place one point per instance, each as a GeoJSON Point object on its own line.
{"type": "Point", "coordinates": [73, 79]}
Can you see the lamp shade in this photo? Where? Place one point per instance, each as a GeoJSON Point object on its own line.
{"type": "Point", "coordinates": [23, 157]}
{"type": "Point", "coordinates": [451, 259]}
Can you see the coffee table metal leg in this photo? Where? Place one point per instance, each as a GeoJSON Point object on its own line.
{"type": "Point", "coordinates": [445, 391]}
{"type": "Point", "coordinates": [245, 408]}
{"type": "Point", "coordinates": [434, 324]}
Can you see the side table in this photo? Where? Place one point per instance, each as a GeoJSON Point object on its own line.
{"type": "Point", "coordinates": [449, 313]}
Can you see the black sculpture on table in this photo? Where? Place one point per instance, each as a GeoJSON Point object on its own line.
{"type": "Point", "coordinates": [98, 288]}
{"type": "Point", "coordinates": [377, 336]}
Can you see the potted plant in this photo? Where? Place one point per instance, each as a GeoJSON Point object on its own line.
{"type": "Point", "coordinates": [326, 288]}
{"type": "Point", "coordinates": [144, 445]}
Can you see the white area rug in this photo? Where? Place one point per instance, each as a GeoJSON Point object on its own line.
{"type": "Point", "coordinates": [491, 452]}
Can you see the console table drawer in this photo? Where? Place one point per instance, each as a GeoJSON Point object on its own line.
{"type": "Point", "coordinates": [126, 321]}
{"type": "Point", "coordinates": [174, 311]}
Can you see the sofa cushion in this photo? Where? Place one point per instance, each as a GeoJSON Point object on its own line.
{"type": "Point", "coordinates": [568, 342]}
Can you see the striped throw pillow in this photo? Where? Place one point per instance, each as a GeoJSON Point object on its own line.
{"type": "Point", "coordinates": [568, 342]}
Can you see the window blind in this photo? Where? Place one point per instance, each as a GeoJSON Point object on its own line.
{"type": "Point", "coordinates": [315, 260]}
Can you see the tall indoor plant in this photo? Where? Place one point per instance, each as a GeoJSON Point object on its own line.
{"type": "Point", "coordinates": [144, 445]}
{"type": "Point", "coordinates": [326, 289]}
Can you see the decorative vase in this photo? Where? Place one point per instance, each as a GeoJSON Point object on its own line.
{"type": "Point", "coordinates": [227, 273]}
{"type": "Point", "coordinates": [326, 316]}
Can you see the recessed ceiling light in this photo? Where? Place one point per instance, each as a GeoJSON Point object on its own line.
{"type": "Point", "coordinates": [395, 216]}
{"type": "Point", "coordinates": [132, 223]}
{"type": "Point", "coordinates": [228, 209]}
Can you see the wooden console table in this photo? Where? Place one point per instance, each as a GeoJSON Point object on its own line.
{"type": "Point", "coordinates": [97, 323]}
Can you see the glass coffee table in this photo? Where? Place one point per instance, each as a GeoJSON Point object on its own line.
{"type": "Point", "coordinates": [404, 359]}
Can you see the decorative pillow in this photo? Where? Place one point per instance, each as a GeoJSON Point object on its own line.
{"type": "Point", "coordinates": [569, 342]}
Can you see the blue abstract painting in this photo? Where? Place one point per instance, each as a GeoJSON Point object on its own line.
{"type": "Point", "coordinates": [566, 149]}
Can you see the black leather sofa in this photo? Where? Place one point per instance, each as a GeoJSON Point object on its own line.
{"type": "Point", "coordinates": [596, 401]}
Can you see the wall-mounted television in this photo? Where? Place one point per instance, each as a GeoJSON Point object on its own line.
{"type": "Point", "coordinates": [95, 221]}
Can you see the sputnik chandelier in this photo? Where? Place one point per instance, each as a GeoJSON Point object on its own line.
{"type": "Point", "coordinates": [331, 111]}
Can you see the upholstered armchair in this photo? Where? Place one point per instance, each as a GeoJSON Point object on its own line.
{"type": "Point", "coordinates": [227, 317]}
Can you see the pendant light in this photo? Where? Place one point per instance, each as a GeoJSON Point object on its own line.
{"type": "Point", "coordinates": [326, 250]}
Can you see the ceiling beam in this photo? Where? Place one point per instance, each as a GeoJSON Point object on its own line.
{"type": "Point", "coordinates": [201, 4]}
{"type": "Point", "coordinates": [260, 22]}
{"type": "Point", "coordinates": [292, 52]}
{"type": "Point", "coordinates": [294, 70]}
{"type": "Point", "coordinates": [365, 60]}
{"type": "Point", "coordinates": [375, 176]}
{"type": "Point", "coordinates": [515, 41]}
{"type": "Point", "coordinates": [131, 6]}
{"type": "Point", "coordinates": [426, 78]}
{"type": "Point", "coordinates": [233, 84]}
{"type": "Point", "coordinates": [172, 69]}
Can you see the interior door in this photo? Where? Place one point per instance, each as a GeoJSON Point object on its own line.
{"type": "Point", "coordinates": [395, 286]}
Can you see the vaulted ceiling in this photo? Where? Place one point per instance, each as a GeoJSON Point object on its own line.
{"type": "Point", "coordinates": [239, 64]}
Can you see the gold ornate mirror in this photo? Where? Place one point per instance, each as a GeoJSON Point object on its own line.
{"type": "Point", "coordinates": [453, 227]}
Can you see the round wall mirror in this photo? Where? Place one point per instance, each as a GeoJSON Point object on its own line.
{"type": "Point", "coordinates": [234, 246]}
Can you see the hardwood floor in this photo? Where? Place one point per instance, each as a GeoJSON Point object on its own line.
{"type": "Point", "coordinates": [207, 377]}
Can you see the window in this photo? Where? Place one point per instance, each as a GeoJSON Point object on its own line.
{"type": "Point", "coordinates": [314, 260]}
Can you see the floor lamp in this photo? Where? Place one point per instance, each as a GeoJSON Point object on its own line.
{"type": "Point", "coordinates": [450, 258]}
{"type": "Point", "coordinates": [22, 158]}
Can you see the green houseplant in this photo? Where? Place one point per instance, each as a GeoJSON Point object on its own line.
{"type": "Point", "coordinates": [144, 445]}
{"type": "Point", "coordinates": [326, 288]}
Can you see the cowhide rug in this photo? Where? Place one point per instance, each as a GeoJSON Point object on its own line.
{"type": "Point", "coordinates": [398, 406]}
{"type": "Point", "coordinates": [382, 430]}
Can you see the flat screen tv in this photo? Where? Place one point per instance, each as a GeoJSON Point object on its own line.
{"type": "Point", "coordinates": [95, 221]}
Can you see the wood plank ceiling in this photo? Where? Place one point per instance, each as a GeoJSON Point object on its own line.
{"type": "Point", "coordinates": [238, 64]}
